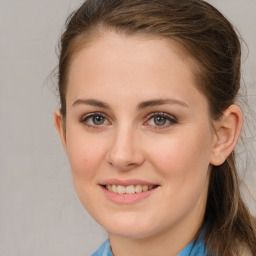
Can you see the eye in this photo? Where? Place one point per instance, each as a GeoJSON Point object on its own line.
{"type": "Point", "coordinates": [95, 120]}
{"type": "Point", "coordinates": [160, 120]}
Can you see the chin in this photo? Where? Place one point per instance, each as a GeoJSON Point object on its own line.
{"type": "Point", "coordinates": [130, 228]}
{"type": "Point", "coordinates": [131, 233]}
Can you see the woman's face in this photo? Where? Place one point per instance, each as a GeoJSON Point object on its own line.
{"type": "Point", "coordinates": [138, 136]}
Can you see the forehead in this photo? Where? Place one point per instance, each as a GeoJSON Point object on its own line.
{"type": "Point", "coordinates": [107, 45]}
{"type": "Point", "coordinates": [131, 64]}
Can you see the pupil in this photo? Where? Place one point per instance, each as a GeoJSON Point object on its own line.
{"type": "Point", "coordinates": [98, 120]}
{"type": "Point", "coordinates": [159, 120]}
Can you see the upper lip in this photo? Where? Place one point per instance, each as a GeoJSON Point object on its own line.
{"type": "Point", "coordinates": [127, 182]}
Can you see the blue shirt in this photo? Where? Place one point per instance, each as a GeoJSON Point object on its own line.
{"type": "Point", "coordinates": [192, 249]}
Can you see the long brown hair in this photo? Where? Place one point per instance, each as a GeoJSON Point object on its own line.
{"type": "Point", "coordinates": [209, 38]}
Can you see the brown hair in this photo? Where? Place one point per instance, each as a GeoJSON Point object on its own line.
{"type": "Point", "coordinates": [212, 42]}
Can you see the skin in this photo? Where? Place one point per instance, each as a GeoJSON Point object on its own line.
{"type": "Point", "coordinates": [122, 73]}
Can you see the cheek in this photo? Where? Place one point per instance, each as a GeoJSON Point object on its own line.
{"type": "Point", "coordinates": [183, 164]}
{"type": "Point", "coordinates": [84, 155]}
{"type": "Point", "coordinates": [183, 155]}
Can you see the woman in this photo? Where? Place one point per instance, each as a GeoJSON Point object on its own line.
{"type": "Point", "coordinates": [149, 125]}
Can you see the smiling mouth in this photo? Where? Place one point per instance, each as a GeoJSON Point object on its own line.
{"type": "Point", "coordinates": [130, 189]}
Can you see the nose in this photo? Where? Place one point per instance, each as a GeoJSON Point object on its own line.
{"type": "Point", "coordinates": [125, 152]}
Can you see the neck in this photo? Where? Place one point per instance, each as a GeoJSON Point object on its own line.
{"type": "Point", "coordinates": [167, 243]}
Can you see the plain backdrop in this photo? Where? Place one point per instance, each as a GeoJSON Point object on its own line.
{"type": "Point", "coordinates": [40, 214]}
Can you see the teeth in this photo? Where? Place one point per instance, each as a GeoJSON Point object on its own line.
{"type": "Point", "coordinates": [120, 189]}
{"type": "Point", "coordinates": [131, 189]}
{"type": "Point", "coordinates": [138, 188]}
{"type": "Point", "coordinates": [114, 188]}
{"type": "Point", "coordinates": [145, 188]}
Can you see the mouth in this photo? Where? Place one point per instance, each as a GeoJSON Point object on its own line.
{"type": "Point", "coordinates": [130, 189]}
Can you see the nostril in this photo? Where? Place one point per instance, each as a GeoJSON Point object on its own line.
{"type": "Point", "coordinates": [125, 161]}
{"type": "Point", "coordinates": [124, 166]}
{"type": "Point", "coordinates": [125, 152]}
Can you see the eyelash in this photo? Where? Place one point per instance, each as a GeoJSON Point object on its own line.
{"type": "Point", "coordinates": [85, 119]}
{"type": "Point", "coordinates": [167, 118]}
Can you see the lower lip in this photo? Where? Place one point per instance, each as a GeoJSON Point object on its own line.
{"type": "Point", "coordinates": [127, 198]}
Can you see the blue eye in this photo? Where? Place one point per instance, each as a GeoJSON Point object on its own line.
{"type": "Point", "coordinates": [95, 119]}
{"type": "Point", "coordinates": [160, 120]}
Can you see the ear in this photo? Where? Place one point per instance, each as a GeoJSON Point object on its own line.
{"type": "Point", "coordinates": [60, 127]}
{"type": "Point", "coordinates": [227, 131]}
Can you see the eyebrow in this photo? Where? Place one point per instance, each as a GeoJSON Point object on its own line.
{"type": "Point", "coordinates": [157, 102]}
{"type": "Point", "coordinates": [142, 105]}
{"type": "Point", "coordinates": [92, 102]}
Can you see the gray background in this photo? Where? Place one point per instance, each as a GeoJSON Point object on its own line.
{"type": "Point", "coordinates": [39, 210]}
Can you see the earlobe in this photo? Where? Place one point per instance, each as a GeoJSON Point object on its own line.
{"type": "Point", "coordinates": [227, 131]}
{"type": "Point", "coordinates": [59, 125]}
